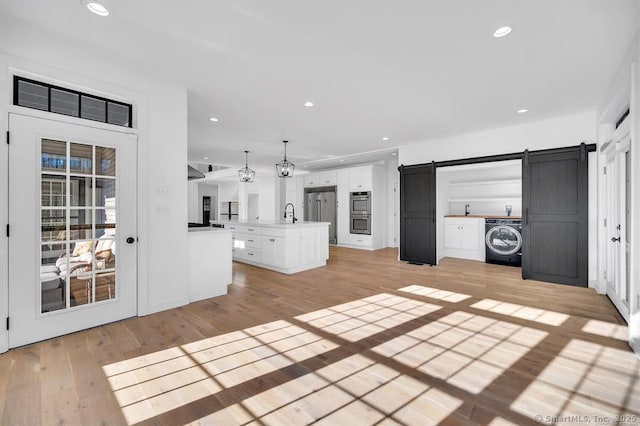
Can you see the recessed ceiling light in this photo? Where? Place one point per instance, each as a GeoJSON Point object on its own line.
{"type": "Point", "coordinates": [502, 31]}
{"type": "Point", "coordinates": [342, 161]}
{"type": "Point", "coordinates": [394, 153]}
{"type": "Point", "coordinates": [97, 8]}
{"type": "Point", "coordinates": [385, 138]}
{"type": "Point", "coordinates": [522, 111]}
{"type": "Point", "coordinates": [205, 158]}
{"type": "Point", "coordinates": [214, 119]}
{"type": "Point", "coordinates": [308, 104]}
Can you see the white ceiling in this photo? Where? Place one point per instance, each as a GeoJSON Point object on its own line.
{"type": "Point", "coordinates": [411, 70]}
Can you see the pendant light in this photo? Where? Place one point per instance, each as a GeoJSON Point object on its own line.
{"type": "Point", "coordinates": [246, 174]}
{"type": "Point", "coordinates": [285, 167]}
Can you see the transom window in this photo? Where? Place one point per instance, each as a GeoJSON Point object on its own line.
{"type": "Point", "coordinates": [46, 97]}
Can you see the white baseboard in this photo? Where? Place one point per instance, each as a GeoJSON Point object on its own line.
{"type": "Point", "coordinates": [4, 341]}
{"type": "Point", "coordinates": [208, 294]}
{"type": "Point", "coordinates": [595, 284]}
{"type": "Point", "coordinates": [369, 248]}
{"type": "Point", "coordinates": [168, 305]}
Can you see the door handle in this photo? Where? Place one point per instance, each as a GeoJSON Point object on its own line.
{"type": "Point", "coordinates": [130, 240]}
{"type": "Point", "coordinates": [434, 215]}
{"type": "Point", "coordinates": [615, 240]}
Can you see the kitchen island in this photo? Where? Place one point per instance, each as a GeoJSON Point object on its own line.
{"type": "Point", "coordinates": [209, 253]}
{"type": "Point", "coordinates": [281, 246]}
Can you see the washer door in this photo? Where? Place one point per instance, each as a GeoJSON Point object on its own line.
{"type": "Point", "coordinates": [503, 240]}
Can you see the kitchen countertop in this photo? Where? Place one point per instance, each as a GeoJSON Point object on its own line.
{"type": "Point", "coordinates": [484, 216]}
{"type": "Point", "coordinates": [276, 224]}
{"type": "Point", "coordinates": [208, 229]}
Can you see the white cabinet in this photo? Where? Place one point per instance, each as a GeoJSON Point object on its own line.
{"type": "Point", "coordinates": [360, 240]}
{"type": "Point", "coordinates": [328, 179]}
{"type": "Point", "coordinates": [355, 179]}
{"type": "Point", "coordinates": [311, 179]}
{"type": "Point", "coordinates": [274, 251]}
{"type": "Point", "coordinates": [461, 236]}
{"type": "Point", "coordinates": [247, 245]}
{"type": "Point", "coordinates": [210, 270]}
{"type": "Point", "coordinates": [342, 218]}
{"type": "Point", "coordinates": [320, 179]}
{"type": "Point", "coordinates": [286, 248]}
{"type": "Point", "coordinates": [464, 238]}
{"type": "Point", "coordinates": [361, 179]}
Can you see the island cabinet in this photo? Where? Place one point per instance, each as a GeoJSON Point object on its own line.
{"type": "Point", "coordinates": [275, 248]}
{"type": "Point", "coordinates": [209, 255]}
{"type": "Point", "coordinates": [282, 247]}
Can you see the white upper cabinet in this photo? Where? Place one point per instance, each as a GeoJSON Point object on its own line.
{"type": "Point", "coordinates": [360, 179]}
{"type": "Point", "coordinates": [328, 179]}
{"type": "Point", "coordinates": [311, 179]}
{"type": "Point", "coordinates": [343, 207]}
{"type": "Point", "coordinates": [320, 179]}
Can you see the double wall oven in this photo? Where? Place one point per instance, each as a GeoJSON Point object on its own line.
{"type": "Point", "coordinates": [360, 213]}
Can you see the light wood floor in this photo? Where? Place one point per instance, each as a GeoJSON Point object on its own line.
{"type": "Point", "coordinates": [364, 340]}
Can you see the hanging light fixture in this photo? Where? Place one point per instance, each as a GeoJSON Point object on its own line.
{"type": "Point", "coordinates": [246, 174]}
{"type": "Point", "coordinates": [285, 167]}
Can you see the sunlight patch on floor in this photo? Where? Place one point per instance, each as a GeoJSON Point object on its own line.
{"type": "Point", "coordinates": [585, 379]}
{"type": "Point", "coordinates": [466, 350]}
{"type": "Point", "coordinates": [156, 383]}
{"type": "Point", "coordinates": [435, 293]}
{"type": "Point", "coordinates": [362, 318]}
{"type": "Point", "coordinates": [355, 390]}
{"type": "Point", "coordinates": [607, 329]}
{"type": "Point", "coordinates": [462, 349]}
{"type": "Point", "coordinates": [541, 316]}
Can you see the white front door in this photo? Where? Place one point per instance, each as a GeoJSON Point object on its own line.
{"type": "Point", "coordinates": [72, 215]}
{"type": "Point", "coordinates": [618, 223]}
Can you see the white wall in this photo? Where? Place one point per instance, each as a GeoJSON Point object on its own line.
{"type": "Point", "coordinates": [268, 193]}
{"type": "Point", "coordinates": [160, 117]}
{"type": "Point", "coordinates": [266, 187]}
{"type": "Point", "coordinates": [624, 91]}
{"type": "Point", "coordinates": [557, 132]}
{"type": "Point", "coordinates": [470, 185]}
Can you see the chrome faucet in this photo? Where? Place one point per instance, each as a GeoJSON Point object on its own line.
{"type": "Point", "coordinates": [467, 209]}
{"type": "Point", "coordinates": [293, 211]}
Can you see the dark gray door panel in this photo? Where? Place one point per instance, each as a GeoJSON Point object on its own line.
{"type": "Point", "coordinates": [555, 224]}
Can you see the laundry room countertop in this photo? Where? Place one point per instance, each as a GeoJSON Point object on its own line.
{"type": "Point", "coordinates": [483, 216]}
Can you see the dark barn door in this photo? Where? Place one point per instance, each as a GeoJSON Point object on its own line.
{"type": "Point", "coordinates": [418, 214]}
{"type": "Point", "coordinates": [555, 216]}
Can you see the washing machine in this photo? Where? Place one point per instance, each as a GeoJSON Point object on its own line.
{"type": "Point", "coordinates": [504, 241]}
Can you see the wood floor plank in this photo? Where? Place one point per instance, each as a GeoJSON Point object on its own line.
{"type": "Point", "coordinates": [365, 339]}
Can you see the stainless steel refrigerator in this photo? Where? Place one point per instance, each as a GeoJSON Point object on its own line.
{"type": "Point", "coordinates": [321, 207]}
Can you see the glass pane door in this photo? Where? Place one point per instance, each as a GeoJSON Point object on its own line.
{"type": "Point", "coordinates": [73, 215]}
{"type": "Point", "coordinates": [78, 224]}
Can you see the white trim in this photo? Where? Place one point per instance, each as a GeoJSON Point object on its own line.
{"type": "Point", "coordinates": [293, 270]}
{"type": "Point", "coordinates": [10, 66]}
{"type": "Point", "coordinates": [51, 116]}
